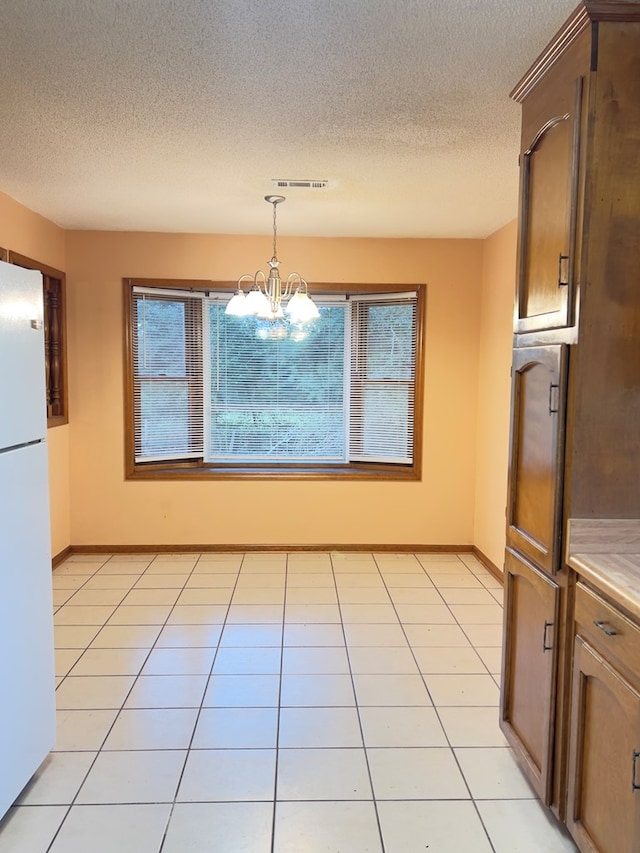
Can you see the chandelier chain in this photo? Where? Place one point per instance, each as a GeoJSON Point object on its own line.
{"type": "Point", "coordinates": [275, 230]}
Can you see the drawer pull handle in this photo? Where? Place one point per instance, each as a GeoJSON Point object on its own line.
{"type": "Point", "coordinates": [610, 632]}
{"type": "Point", "coordinates": [634, 784]}
{"type": "Point", "coordinates": [545, 647]}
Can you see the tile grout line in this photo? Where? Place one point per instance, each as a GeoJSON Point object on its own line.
{"type": "Point", "coordinates": [473, 799]}
{"type": "Point", "coordinates": [357, 707]}
{"type": "Point", "coordinates": [202, 698]}
{"type": "Point", "coordinates": [435, 707]}
{"type": "Point", "coordinates": [277, 747]}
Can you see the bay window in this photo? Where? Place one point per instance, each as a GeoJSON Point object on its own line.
{"type": "Point", "coordinates": [215, 395]}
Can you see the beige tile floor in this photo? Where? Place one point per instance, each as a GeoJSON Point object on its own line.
{"type": "Point", "coordinates": [278, 703]}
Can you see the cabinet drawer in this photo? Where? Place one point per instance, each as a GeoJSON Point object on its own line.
{"type": "Point", "coordinates": [611, 633]}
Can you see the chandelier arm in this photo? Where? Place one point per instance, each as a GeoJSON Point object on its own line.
{"type": "Point", "coordinates": [286, 288]}
{"type": "Point", "coordinates": [260, 279]}
{"type": "Point", "coordinates": [302, 282]}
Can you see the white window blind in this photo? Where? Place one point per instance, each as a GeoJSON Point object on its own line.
{"type": "Point", "coordinates": [277, 393]}
{"type": "Point", "coordinates": [167, 375]}
{"type": "Point", "coordinates": [383, 376]}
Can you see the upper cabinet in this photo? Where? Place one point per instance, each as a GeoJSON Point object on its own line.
{"type": "Point", "coordinates": [579, 168]}
{"type": "Point", "coordinates": [551, 174]}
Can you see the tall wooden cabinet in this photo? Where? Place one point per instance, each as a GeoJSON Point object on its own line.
{"type": "Point", "coordinates": [575, 415]}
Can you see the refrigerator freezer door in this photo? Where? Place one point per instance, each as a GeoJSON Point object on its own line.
{"type": "Point", "coordinates": [27, 701]}
{"type": "Point", "coordinates": [23, 415]}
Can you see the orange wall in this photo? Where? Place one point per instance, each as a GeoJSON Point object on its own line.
{"type": "Point", "coordinates": [494, 391]}
{"type": "Point", "coordinates": [106, 510]}
{"type": "Point", "coordinates": [28, 233]}
{"type": "Point", "coordinates": [462, 495]}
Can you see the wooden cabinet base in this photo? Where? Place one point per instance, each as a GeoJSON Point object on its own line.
{"type": "Point", "coordinates": [603, 808]}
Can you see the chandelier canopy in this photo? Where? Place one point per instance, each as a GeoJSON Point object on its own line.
{"type": "Point", "coordinates": [266, 297]}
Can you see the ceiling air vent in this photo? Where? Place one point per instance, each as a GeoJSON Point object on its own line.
{"type": "Point", "coordinates": [283, 183]}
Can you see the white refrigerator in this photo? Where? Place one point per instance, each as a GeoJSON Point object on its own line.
{"type": "Point", "coordinates": [27, 703]}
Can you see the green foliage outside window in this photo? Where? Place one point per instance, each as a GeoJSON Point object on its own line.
{"type": "Point", "coordinates": [275, 396]}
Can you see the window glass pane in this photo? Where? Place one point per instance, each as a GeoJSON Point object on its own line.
{"type": "Point", "coordinates": [385, 425]}
{"type": "Point", "coordinates": [164, 418]}
{"type": "Point", "coordinates": [383, 352]}
{"type": "Point", "coordinates": [277, 392]}
{"type": "Point", "coordinates": [167, 386]}
{"type": "Point", "coordinates": [161, 338]}
{"type": "Point", "coordinates": [389, 341]}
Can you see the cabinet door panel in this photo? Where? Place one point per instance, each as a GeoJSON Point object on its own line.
{"type": "Point", "coordinates": [537, 453]}
{"type": "Point", "coordinates": [549, 190]}
{"type": "Point", "coordinates": [527, 714]}
{"type": "Point", "coordinates": [603, 808]}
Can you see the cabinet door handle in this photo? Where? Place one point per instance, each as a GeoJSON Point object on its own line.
{"type": "Point", "coordinates": [634, 784]}
{"type": "Point", "coordinates": [545, 646]}
{"type": "Point", "coordinates": [563, 270]}
{"type": "Point", "coordinates": [553, 403]}
{"type": "Point", "coordinates": [610, 632]}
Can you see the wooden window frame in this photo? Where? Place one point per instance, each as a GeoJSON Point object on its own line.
{"type": "Point", "coordinates": [55, 336]}
{"type": "Point", "coordinates": [198, 470]}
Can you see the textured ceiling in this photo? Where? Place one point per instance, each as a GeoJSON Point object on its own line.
{"type": "Point", "coordinates": [174, 115]}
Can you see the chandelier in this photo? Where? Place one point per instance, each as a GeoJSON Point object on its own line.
{"type": "Point", "coordinates": [266, 297]}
